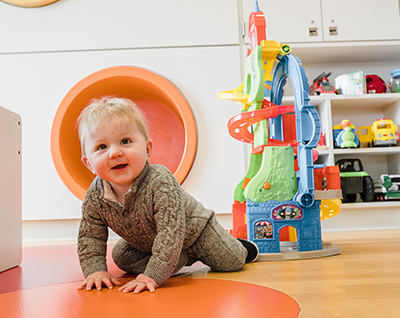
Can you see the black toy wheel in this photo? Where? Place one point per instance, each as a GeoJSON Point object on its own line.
{"type": "Point", "coordinates": [347, 197]}
{"type": "Point", "coordinates": [368, 186]}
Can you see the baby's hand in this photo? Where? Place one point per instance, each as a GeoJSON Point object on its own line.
{"type": "Point", "coordinates": [140, 283]}
{"type": "Point", "coordinates": [98, 279]}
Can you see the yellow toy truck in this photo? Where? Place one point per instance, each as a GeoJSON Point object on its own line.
{"type": "Point", "coordinates": [381, 133]}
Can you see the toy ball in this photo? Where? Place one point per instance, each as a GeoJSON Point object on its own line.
{"type": "Point", "coordinates": [375, 84]}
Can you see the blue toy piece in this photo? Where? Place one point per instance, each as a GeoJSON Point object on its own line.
{"type": "Point", "coordinates": [308, 123]}
{"type": "Point", "coordinates": [267, 219]}
{"type": "Point", "coordinates": [308, 128]}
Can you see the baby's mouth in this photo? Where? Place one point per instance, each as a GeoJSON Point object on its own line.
{"type": "Point", "coordinates": [118, 167]}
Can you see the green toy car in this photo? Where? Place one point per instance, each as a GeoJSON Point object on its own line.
{"type": "Point", "coordinates": [354, 180]}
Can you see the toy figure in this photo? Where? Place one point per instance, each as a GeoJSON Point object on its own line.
{"type": "Point", "coordinates": [352, 140]}
{"type": "Point", "coordinates": [321, 85]}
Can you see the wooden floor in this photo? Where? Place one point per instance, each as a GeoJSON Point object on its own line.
{"type": "Point", "coordinates": [363, 281]}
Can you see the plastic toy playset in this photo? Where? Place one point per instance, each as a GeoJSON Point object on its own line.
{"type": "Point", "coordinates": [283, 188]}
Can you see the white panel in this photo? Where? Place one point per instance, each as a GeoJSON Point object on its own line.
{"type": "Point", "coordinates": [67, 230]}
{"type": "Point", "coordinates": [288, 20]}
{"type": "Point", "coordinates": [360, 20]}
{"type": "Point", "coordinates": [10, 190]}
{"type": "Point", "coordinates": [109, 24]}
{"type": "Point", "coordinates": [363, 219]}
{"type": "Point", "coordinates": [34, 85]}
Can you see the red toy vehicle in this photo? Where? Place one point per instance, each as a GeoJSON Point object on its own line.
{"type": "Point", "coordinates": [321, 85]}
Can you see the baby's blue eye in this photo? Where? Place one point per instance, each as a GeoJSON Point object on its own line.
{"type": "Point", "coordinates": [102, 147]}
{"type": "Point", "coordinates": [125, 141]}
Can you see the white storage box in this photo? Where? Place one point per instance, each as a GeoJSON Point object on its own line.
{"type": "Point", "coordinates": [10, 190]}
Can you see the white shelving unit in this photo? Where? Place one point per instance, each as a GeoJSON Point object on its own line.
{"type": "Point", "coordinates": [361, 110]}
{"type": "Point", "coordinates": [359, 45]}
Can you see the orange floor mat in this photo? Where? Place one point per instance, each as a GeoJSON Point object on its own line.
{"type": "Point", "coordinates": [46, 282]}
{"type": "Point", "coordinates": [47, 265]}
{"type": "Point", "coordinates": [178, 297]}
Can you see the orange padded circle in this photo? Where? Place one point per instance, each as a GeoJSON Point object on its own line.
{"type": "Point", "coordinates": [177, 298]}
{"type": "Point", "coordinates": [171, 123]}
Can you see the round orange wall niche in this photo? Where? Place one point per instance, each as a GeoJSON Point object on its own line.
{"type": "Point", "coordinates": [170, 121]}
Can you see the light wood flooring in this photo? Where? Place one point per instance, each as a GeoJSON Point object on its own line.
{"type": "Point", "coordinates": [363, 281]}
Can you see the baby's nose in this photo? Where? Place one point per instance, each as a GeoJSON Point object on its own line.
{"type": "Point", "coordinates": [115, 151]}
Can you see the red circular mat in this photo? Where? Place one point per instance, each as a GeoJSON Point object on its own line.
{"type": "Point", "coordinates": [178, 297]}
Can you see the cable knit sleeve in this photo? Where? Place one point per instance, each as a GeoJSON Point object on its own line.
{"type": "Point", "coordinates": [92, 238]}
{"type": "Point", "coordinates": [170, 217]}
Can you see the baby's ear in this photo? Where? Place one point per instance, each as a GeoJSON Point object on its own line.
{"type": "Point", "coordinates": [87, 164]}
{"type": "Point", "coordinates": [149, 147]}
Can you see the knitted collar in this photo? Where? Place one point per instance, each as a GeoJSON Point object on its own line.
{"type": "Point", "coordinates": [109, 192]}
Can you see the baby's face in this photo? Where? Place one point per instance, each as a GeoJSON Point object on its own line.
{"type": "Point", "coordinates": [117, 152]}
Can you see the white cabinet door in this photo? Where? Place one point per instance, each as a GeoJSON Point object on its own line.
{"type": "Point", "coordinates": [288, 21]}
{"type": "Point", "coordinates": [106, 24]}
{"type": "Point", "coordinates": [360, 20]}
{"type": "Point", "coordinates": [294, 21]}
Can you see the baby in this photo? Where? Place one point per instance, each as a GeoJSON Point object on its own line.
{"type": "Point", "coordinates": [162, 227]}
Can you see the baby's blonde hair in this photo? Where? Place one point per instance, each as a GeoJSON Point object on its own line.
{"type": "Point", "coordinates": [100, 109]}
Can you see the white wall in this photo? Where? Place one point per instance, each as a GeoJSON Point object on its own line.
{"type": "Point", "coordinates": [195, 44]}
{"type": "Point", "coordinates": [45, 51]}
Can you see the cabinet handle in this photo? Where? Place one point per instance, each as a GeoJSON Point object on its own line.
{"type": "Point", "coordinates": [333, 30]}
{"type": "Point", "coordinates": [243, 29]}
{"type": "Point", "coordinates": [313, 31]}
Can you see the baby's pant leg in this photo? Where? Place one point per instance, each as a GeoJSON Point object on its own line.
{"type": "Point", "coordinates": [128, 258]}
{"type": "Point", "coordinates": [218, 249]}
{"type": "Point", "coordinates": [133, 261]}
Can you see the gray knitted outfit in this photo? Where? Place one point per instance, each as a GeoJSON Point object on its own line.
{"type": "Point", "coordinates": [162, 227]}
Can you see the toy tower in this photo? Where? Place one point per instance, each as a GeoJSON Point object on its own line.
{"type": "Point", "coordinates": [278, 190]}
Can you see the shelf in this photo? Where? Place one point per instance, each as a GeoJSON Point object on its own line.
{"type": "Point", "coordinates": [347, 52]}
{"type": "Point", "coordinates": [370, 205]}
{"type": "Point", "coordinates": [372, 151]}
{"type": "Point", "coordinates": [357, 101]}
{"type": "Point", "coordinates": [322, 151]}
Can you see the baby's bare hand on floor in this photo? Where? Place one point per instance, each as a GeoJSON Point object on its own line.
{"type": "Point", "coordinates": [98, 279]}
{"type": "Point", "coordinates": [142, 282]}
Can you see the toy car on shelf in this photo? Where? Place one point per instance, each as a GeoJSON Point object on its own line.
{"type": "Point", "coordinates": [387, 187]}
{"type": "Point", "coordinates": [344, 135]}
{"type": "Point", "coordinates": [354, 180]}
{"type": "Point", "coordinates": [381, 133]}
{"type": "Point", "coordinates": [321, 85]}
